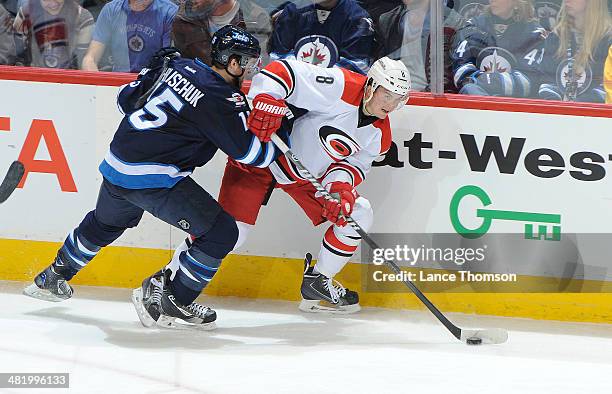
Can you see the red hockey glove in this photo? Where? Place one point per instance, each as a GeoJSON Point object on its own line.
{"type": "Point", "coordinates": [266, 117]}
{"type": "Point", "coordinates": [337, 211]}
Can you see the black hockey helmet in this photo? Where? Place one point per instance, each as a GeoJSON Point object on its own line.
{"type": "Point", "coordinates": [231, 40]}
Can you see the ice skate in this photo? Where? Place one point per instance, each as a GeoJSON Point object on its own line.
{"type": "Point", "coordinates": [321, 294]}
{"type": "Point", "coordinates": [156, 305]}
{"type": "Point", "coordinates": [50, 285]}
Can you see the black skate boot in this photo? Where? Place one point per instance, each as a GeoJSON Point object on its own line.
{"type": "Point", "coordinates": [323, 294]}
{"type": "Point", "coordinates": [51, 284]}
{"type": "Point", "coordinates": [155, 304]}
{"type": "Point", "coordinates": [147, 299]}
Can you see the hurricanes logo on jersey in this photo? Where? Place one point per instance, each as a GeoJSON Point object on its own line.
{"type": "Point", "coordinates": [337, 143]}
{"type": "Point", "coordinates": [572, 78]}
{"type": "Point", "coordinates": [318, 50]}
{"type": "Point", "coordinates": [495, 59]}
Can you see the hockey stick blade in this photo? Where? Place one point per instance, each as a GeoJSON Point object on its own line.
{"type": "Point", "coordinates": [491, 336]}
{"type": "Point", "coordinates": [11, 180]}
{"type": "Point", "coordinates": [486, 336]}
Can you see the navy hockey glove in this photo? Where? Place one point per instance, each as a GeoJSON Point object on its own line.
{"type": "Point", "coordinates": [157, 60]}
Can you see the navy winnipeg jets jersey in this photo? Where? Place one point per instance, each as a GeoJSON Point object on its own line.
{"type": "Point", "coordinates": [188, 117]}
{"type": "Point", "coordinates": [490, 44]}
{"type": "Point", "coordinates": [343, 36]}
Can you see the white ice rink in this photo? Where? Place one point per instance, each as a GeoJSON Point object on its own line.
{"type": "Point", "coordinates": [270, 347]}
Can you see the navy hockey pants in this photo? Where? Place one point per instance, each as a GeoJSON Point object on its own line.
{"type": "Point", "coordinates": [186, 206]}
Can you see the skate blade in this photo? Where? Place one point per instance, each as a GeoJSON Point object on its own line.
{"type": "Point", "coordinates": [41, 294]}
{"type": "Point", "coordinates": [318, 306]}
{"type": "Point", "coordinates": [142, 313]}
{"type": "Point", "coordinates": [174, 323]}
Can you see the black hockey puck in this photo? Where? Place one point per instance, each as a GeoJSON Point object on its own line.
{"type": "Point", "coordinates": [473, 341]}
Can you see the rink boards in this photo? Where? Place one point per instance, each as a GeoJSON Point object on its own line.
{"type": "Point", "coordinates": [551, 162]}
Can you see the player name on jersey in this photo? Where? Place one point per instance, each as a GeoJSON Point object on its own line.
{"type": "Point", "coordinates": [183, 87]}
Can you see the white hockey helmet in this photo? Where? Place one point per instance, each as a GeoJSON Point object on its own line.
{"type": "Point", "coordinates": [391, 75]}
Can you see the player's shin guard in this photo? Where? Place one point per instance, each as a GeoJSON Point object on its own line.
{"type": "Point", "coordinates": [52, 283]}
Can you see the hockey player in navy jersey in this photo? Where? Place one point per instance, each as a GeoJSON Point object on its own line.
{"type": "Point", "coordinates": [498, 52]}
{"type": "Point", "coordinates": [192, 113]}
{"type": "Point", "coordinates": [325, 33]}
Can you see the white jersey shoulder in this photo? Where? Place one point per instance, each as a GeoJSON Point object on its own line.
{"type": "Point", "coordinates": [327, 139]}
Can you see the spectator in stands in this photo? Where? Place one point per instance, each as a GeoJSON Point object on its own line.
{"type": "Point", "coordinates": [7, 43]}
{"type": "Point", "coordinates": [376, 8]}
{"type": "Point", "coordinates": [197, 20]}
{"type": "Point", "coordinates": [57, 32]}
{"type": "Point", "coordinates": [404, 34]}
{"type": "Point", "coordinates": [547, 12]}
{"type": "Point", "coordinates": [133, 30]}
{"type": "Point", "coordinates": [325, 33]}
{"type": "Point", "coordinates": [608, 77]}
{"type": "Point", "coordinates": [497, 53]}
{"type": "Point", "coordinates": [470, 8]}
{"type": "Point", "coordinates": [576, 50]}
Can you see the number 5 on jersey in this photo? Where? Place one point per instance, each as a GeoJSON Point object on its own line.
{"type": "Point", "coordinates": [154, 107]}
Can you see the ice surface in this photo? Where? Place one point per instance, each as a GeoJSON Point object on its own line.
{"type": "Point", "coordinates": [264, 346]}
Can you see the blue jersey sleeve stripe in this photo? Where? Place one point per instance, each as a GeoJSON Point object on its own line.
{"type": "Point", "coordinates": [269, 157]}
{"type": "Point", "coordinates": [252, 153]}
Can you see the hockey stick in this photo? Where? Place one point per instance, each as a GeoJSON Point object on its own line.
{"type": "Point", "coordinates": [11, 180]}
{"type": "Point", "coordinates": [470, 336]}
{"type": "Point", "coordinates": [145, 97]}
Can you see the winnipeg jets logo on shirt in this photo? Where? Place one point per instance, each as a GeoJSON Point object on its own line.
{"type": "Point", "coordinates": [495, 59]}
{"type": "Point", "coordinates": [318, 50]}
{"type": "Point", "coordinates": [572, 78]}
{"type": "Point", "coordinates": [337, 143]}
{"type": "Point", "coordinates": [51, 61]}
{"type": "Point", "coordinates": [136, 43]}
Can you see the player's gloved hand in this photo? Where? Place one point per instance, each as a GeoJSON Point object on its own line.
{"type": "Point", "coordinates": [266, 117]}
{"type": "Point", "coordinates": [496, 83]}
{"type": "Point", "coordinates": [157, 60]}
{"type": "Point", "coordinates": [337, 211]}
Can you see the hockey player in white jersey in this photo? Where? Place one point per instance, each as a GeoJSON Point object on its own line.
{"type": "Point", "coordinates": [339, 126]}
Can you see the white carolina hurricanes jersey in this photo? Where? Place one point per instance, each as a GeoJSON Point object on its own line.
{"type": "Point", "coordinates": [332, 139]}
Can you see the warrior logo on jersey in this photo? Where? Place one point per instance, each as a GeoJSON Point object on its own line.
{"type": "Point", "coordinates": [136, 43]}
{"type": "Point", "coordinates": [547, 14]}
{"type": "Point", "coordinates": [337, 143]}
{"type": "Point", "coordinates": [472, 10]}
{"type": "Point", "coordinates": [318, 50]}
{"type": "Point", "coordinates": [495, 59]}
{"type": "Point", "coordinates": [573, 80]}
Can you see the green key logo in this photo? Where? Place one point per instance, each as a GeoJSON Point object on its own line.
{"type": "Point", "coordinates": [530, 219]}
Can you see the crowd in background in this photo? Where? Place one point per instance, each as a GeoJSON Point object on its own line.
{"type": "Point", "coordinates": [549, 49]}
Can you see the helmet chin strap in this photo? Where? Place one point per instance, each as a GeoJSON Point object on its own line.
{"type": "Point", "coordinates": [236, 77]}
{"type": "Point", "coordinates": [366, 100]}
